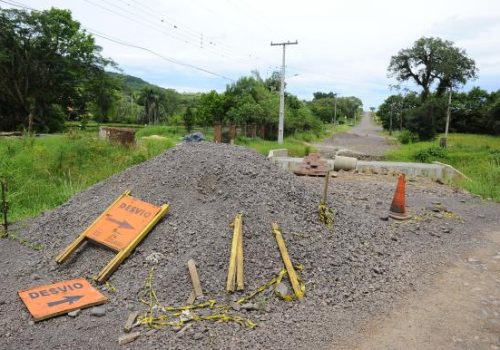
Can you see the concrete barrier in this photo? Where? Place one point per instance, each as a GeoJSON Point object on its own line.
{"type": "Point", "coordinates": [436, 171]}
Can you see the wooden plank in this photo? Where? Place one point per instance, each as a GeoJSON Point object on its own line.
{"type": "Point", "coordinates": [195, 279]}
{"type": "Point", "coordinates": [130, 321]}
{"type": "Point", "coordinates": [123, 254]}
{"type": "Point", "coordinates": [231, 273]}
{"type": "Point", "coordinates": [70, 249]}
{"type": "Point", "coordinates": [240, 284]}
{"type": "Point", "coordinates": [286, 260]}
{"type": "Point", "coordinates": [191, 298]}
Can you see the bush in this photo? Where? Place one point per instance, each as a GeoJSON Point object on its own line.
{"type": "Point", "coordinates": [428, 154]}
{"type": "Point", "coordinates": [406, 137]}
{"type": "Point", "coordinates": [424, 120]}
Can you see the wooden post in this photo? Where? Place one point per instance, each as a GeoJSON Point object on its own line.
{"type": "Point", "coordinates": [325, 190]}
{"type": "Point", "coordinates": [240, 283]}
{"type": "Point", "coordinates": [292, 275]}
{"type": "Point", "coordinates": [5, 208]}
{"type": "Point", "coordinates": [217, 132]}
{"type": "Point", "coordinates": [231, 273]}
{"type": "Point", "coordinates": [195, 279]}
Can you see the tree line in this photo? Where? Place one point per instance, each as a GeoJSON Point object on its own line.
{"type": "Point", "coordinates": [52, 71]}
{"type": "Point", "coordinates": [439, 68]}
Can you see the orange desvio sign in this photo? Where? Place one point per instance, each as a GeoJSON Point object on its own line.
{"type": "Point", "coordinates": [59, 298]}
{"type": "Point", "coordinates": [122, 222]}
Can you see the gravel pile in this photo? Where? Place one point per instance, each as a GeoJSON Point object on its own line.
{"type": "Point", "coordinates": [358, 264]}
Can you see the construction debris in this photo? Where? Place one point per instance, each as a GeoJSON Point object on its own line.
{"type": "Point", "coordinates": [195, 279]}
{"type": "Point", "coordinates": [130, 321]}
{"type": "Point", "coordinates": [313, 165]}
{"type": "Point", "coordinates": [128, 338]}
{"type": "Point", "coordinates": [235, 270]}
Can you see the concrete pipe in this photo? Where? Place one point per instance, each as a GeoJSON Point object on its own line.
{"type": "Point", "coordinates": [344, 163]}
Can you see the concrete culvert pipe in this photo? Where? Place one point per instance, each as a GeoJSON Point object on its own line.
{"type": "Point", "coordinates": [344, 163]}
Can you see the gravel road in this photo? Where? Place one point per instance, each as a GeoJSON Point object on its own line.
{"type": "Point", "coordinates": [363, 141]}
{"type": "Point", "coordinates": [360, 269]}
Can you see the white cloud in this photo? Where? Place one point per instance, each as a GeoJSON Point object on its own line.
{"type": "Point", "coordinates": [344, 46]}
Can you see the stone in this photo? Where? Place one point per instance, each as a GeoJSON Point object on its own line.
{"type": "Point", "coordinates": [130, 321]}
{"type": "Point", "coordinates": [282, 288]}
{"type": "Point", "coordinates": [198, 336]}
{"type": "Point", "coordinates": [235, 306]}
{"type": "Point", "coordinates": [384, 217]}
{"type": "Point", "coordinates": [249, 307]}
{"type": "Point", "coordinates": [128, 338]}
{"type": "Point", "coordinates": [472, 259]}
{"type": "Point", "coordinates": [98, 311]}
{"type": "Point", "coordinates": [74, 313]}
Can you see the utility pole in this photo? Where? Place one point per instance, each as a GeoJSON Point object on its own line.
{"type": "Point", "coordinates": [444, 141]}
{"type": "Point", "coordinates": [390, 121]}
{"type": "Point", "coordinates": [335, 109]}
{"type": "Point", "coordinates": [281, 124]}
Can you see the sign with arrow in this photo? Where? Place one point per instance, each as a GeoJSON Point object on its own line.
{"type": "Point", "coordinates": [59, 298]}
{"type": "Point", "coordinates": [122, 222]}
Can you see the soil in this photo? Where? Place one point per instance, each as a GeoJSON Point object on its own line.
{"type": "Point", "coordinates": [364, 141]}
{"type": "Point", "coordinates": [363, 268]}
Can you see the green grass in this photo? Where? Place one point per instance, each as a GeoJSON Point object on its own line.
{"type": "Point", "coordinates": [477, 156]}
{"type": "Point", "coordinates": [44, 172]}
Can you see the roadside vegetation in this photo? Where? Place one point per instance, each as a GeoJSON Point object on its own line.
{"type": "Point", "coordinates": [477, 156]}
{"type": "Point", "coordinates": [44, 172]}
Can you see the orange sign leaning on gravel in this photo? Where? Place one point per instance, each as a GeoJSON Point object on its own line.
{"type": "Point", "coordinates": [122, 222]}
{"type": "Point", "coordinates": [59, 298]}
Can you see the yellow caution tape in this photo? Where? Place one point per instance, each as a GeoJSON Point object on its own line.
{"type": "Point", "coordinates": [154, 319]}
{"type": "Point", "coordinates": [325, 214]}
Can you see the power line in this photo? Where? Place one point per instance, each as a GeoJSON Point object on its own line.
{"type": "Point", "coordinates": [121, 42]}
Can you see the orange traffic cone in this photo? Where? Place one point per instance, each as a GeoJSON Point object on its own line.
{"type": "Point", "coordinates": [398, 209]}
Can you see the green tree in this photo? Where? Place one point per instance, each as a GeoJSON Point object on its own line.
{"type": "Point", "coordinates": [188, 118]}
{"type": "Point", "coordinates": [46, 61]}
{"type": "Point", "coordinates": [210, 108]}
{"type": "Point", "coordinates": [152, 99]}
{"type": "Point", "coordinates": [432, 61]}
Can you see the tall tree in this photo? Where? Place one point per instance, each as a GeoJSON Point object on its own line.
{"type": "Point", "coordinates": [46, 60]}
{"type": "Point", "coordinates": [433, 61]}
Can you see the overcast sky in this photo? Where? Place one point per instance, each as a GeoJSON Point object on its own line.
{"type": "Point", "coordinates": [344, 46]}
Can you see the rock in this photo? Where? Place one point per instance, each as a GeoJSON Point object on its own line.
{"type": "Point", "coordinates": [35, 277]}
{"type": "Point", "coordinates": [31, 323]}
{"type": "Point", "coordinates": [472, 259]}
{"type": "Point", "coordinates": [198, 336]}
{"type": "Point", "coordinates": [155, 257]}
{"type": "Point", "coordinates": [184, 329]}
{"type": "Point", "coordinates": [249, 307]}
{"type": "Point", "coordinates": [282, 288]}
{"type": "Point", "coordinates": [130, 321]}
{"type": "Point", "coordinates": [98, 311]}
{"type": "Point", "coordinates": [128, 338]}
{"type": "Point", "coordinates": [384, 217]}
{"type": "Point", "coordinates": [151, 332]}
{"type": "Point", "coordinates": [235, 306]}
{"type": "Point", "coordinates": [74, 313]}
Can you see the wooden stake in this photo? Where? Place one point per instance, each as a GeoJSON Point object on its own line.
{"type": "Point", "coordinates": [231, 273]}
{"type": "Point", "coordinates": [240, 283]}
{"type": "Point", "coordinates": [190, 300]}
{"type": "Point", "coordinates": [194, 278]}
{"type": "Point", "coordinates": [325, 190]}
{"type": "Point", "coordinates": [292, 275]}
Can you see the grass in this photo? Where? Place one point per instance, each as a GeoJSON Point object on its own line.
{"type": "Point", "coordinates": [477, 156]}
{"type": "Point", "coordinates": [44, 172]}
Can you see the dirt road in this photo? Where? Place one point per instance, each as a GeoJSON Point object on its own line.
{"type": "Point", "coordinates": [364, 141]}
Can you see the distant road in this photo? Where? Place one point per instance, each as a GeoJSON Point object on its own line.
{"type": "Point", "coordinates": [365, 139]}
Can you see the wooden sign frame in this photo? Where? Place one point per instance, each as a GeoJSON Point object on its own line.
{"type": "Point", "coordinates": [123, 253]}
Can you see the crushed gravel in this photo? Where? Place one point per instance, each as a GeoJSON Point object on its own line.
{"type": "Point", "coordinates": [355, 270]}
